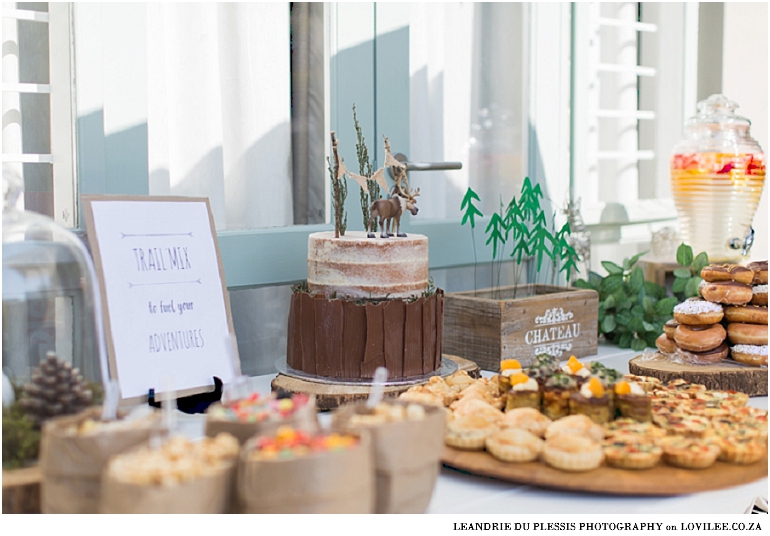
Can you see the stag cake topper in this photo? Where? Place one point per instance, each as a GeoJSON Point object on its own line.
{"type": "Point", "coordinates": [385, 212]}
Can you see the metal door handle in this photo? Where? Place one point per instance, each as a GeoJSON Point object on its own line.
{"type": "Point", "coordinates": [426, 166]}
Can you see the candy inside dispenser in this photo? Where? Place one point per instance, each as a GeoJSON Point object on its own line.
{"type": "Point", "coordinates": [717, 175]}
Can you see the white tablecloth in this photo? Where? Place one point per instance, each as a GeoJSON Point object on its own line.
{"type": "Point", "coordinates": [460, 493]}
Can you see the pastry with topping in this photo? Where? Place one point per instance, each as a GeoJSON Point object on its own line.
{"type": "Point", "coordinates": [469, 432]}
{"type": "Point", "coordinates": [507, 368]}
{"type": "Point", "coordinates": [556, 393]}
{"type": "Point", "coordinates": [576, 369]}
{"type": "Point", "coordinates": [578, 425]}
{"type": "Point", "coordinates": [528, 419]}
{"type": "Point", "coordinates": [688, 452]}
{"type": "Point", "coordinates": [524, 392]}
{"type": "Point", "coordinates": [632, 402]}
{"type": "Point", "coordinates": [631, 452]}
{"type": "Point", "coordinates": [593, 401]}
{"type": "Point", "coordinates": [740, 450]}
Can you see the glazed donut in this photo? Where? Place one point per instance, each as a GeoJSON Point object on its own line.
{"type": "Point", "coordinates": [759, 295]}
{"type": "Point", "coordinates": [665, 345]}
{"type": "Point", "coordinates": [728, 292]}
{"type": "Point", "coordinates": [704, 358]}
{"type": "Point", "coordinates": [760, 272]}
{"type": "Point", "coordinates": [749, 354]}
{"type": "Point", "coordinates": [727, 272]}
{"type": "Point", "coordinates": [747, 314]}
{"type": "Point", "coordinates": [698, 313]}
{"type": "Point", "coordinates": [669, 328]}
{"type": "Point", "coordinates": [699, 338]}
{"type": "Point", "coordinates": [752, 334]}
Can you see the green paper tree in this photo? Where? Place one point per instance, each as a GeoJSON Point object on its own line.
{"type": "Point", "coordinates": [471, 211]}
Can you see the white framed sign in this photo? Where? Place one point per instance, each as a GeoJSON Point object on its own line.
{"type": "Point", "coordinates": [165, 304]}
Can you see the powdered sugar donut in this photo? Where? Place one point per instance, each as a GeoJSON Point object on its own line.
{"type": "Point", "coordinates": [760, 295]}
{"type": "Point", "coordinates": [750, 354]}
{"type": "Point", "coordinates": [698, 313]}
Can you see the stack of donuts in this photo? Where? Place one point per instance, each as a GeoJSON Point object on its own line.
{"type": "Point", "coordinates": [733, 310]}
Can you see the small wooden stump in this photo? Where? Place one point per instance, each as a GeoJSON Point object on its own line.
{"type": "Point", "coordinates": [21, 491]}
{"type": "Point", "coordinates": [724, 376]}
{"type": "Point", "coordinates": [329, 396]}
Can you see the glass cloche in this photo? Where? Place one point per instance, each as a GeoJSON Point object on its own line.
{"type": "Point", "coordinates": [51, 304]}
{"type": "Point", "coordinates": [717, 176]}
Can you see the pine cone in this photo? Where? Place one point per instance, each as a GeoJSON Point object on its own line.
{"type": "Point", "coordinates": [55, 389]}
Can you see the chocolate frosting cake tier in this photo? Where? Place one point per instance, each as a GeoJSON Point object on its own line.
{"type": "Point", "coordinates": [359, 267]}
{"type": "Point", "coordinates": [349, 339]}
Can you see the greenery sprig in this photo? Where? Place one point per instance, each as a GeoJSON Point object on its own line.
{"type": "Point", "coordinates": [339, 191]}
{"type": "Point", "coordinates": [687, 278]}
{"type": "Point", "coordinates": [632, 311]}
{"type": "Point", "coordinates": [372, 191]}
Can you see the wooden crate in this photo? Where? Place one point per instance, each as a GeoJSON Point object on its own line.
{"type": "Point", "coordinates": [488, 326]}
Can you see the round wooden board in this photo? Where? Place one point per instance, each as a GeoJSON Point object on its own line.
{"type": "Point", "coordinates": [329, 396]}
{"type": "Point", "coordinates": [660, 480]}
{"type": "Point", "coordinates": [727, 375]}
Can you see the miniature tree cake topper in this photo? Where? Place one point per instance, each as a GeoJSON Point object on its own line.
{"type": "Point", "coordinates": [371, 191]}
{"type": "Point", "coordinates": [339, 190]}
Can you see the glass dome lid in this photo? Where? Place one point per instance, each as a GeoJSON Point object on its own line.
{"type": "Point", "coordinates": [51, 300]}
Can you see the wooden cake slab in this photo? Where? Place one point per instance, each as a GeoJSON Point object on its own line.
{"type": "Point", "coordinates": [726, 375]}
{"type": "Point", "coordinates": [330, 396]}
{"type": "Point", "coordinates": [660, 480]}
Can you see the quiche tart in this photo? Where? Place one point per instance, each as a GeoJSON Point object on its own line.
{"type": "Point", "coordinates": [689, 453]}
{"type": "Point", "coordinates": [741, 450]}
{"type": "Point", "coordinates": [686, 425]}
{"type": "Point", "coordinates": [631, 452]}
{"type": "Point", "coordinates": [630, 427]}
{"type": "Point", "coordinates": [514, 445]}
{"type": "Point", "coordinates": [570, 452]}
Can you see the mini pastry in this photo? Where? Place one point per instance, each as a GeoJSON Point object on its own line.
{"type": "Point", "coordinates": [689, 453]}
{"type": "Point", "coordinates": [669, 328]}
{"type": "Point", "coordinates": [727, 272]}
{"type": "Point", "coordinates": [524, 393]}
{"type": "Point", "coordinates": [648, 383]}
{"type": "Point", "coordinates": [632, 402]}
{"type": "Point", "coordinates": [685, 425]}
{"type": "Point", "coordinates": [700, 338]}
{"type": "Point", "coordinates": [459, 380]}
{"type": "Point", "coordinates": [631, 452]}
{"type": "Point", "coordinates": [760, 272]}
{"type": "Point", "coordinates": [740, 450]}
{"type": "Point", "coordinates": [469, 432]}
{"type": "Point", "coordinates": [607, 375]}
{"type": "Point", "coordinates": [514, 445]}
{"type": "Point", "coordinates": [507, 367]}
{"type": "Point", "coordinates": [483, 390]}
{"type": "Point", "coordinates": [570, 452]}
{"type": "Point", "coordinates": [478, 408]}
{"type": "Point", "coordinates": [593, 401]}
{"type": "Point", "coordinates": [706, 408]}
{"type": "Point", "coordinates": [698, 313]}
{"type": "Point", "coordinates": [749, 354]}
{"type": "Point", "coordinates": [728, 427]}
{"type": "Point", "coordinates": [751, 334]}
{"type": "Point", "coordinates": [760, 295]}
{"type": "Point", "coordinates": [556, 393]}
{"type": "Point", "coordinates": [747, 314]}
{"type": "Point", "coordinates": [728, 398]}
{"type": "Point", "coordinates": [625, 426]}
{"type": "Point", "coordinates": [576, 369]}
{"type": "Point", "coordinates": [665, 344]}
{"type": "Point", "coordinates": [728, 292]}
{"type": "Point", "coordinates": [528, 419]}
{"type": "Point", "coordinates": [421, 397]}
{"type": "Point", "coordinates": [575, 424]}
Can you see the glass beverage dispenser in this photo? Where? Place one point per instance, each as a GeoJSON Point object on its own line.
{"type": "Point", "coordinates": [717, 175]}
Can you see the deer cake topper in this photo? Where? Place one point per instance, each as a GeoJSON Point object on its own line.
{"type": "Point", "coordinates": [388, 211]}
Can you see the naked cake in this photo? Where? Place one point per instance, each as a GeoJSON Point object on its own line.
{"type": "Point", "coordinates": [367, 303]}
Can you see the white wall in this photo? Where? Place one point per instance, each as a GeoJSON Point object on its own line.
{"type": "Point", "coordinates": [744, 80]}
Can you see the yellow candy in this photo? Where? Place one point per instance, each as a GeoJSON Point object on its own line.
{"type": "Point", "coordinates": [285, 433]}
{"type": "Point", "coordinates": [596, 387]}
{"type": "Point", "coordinates": [507, 364]}
{"type": "Point", "coordinates": [622, 388]}
{"type": "Point", "coordinates": [574, 365]}
{"type": "Point", "coordinates": [518, 378]}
